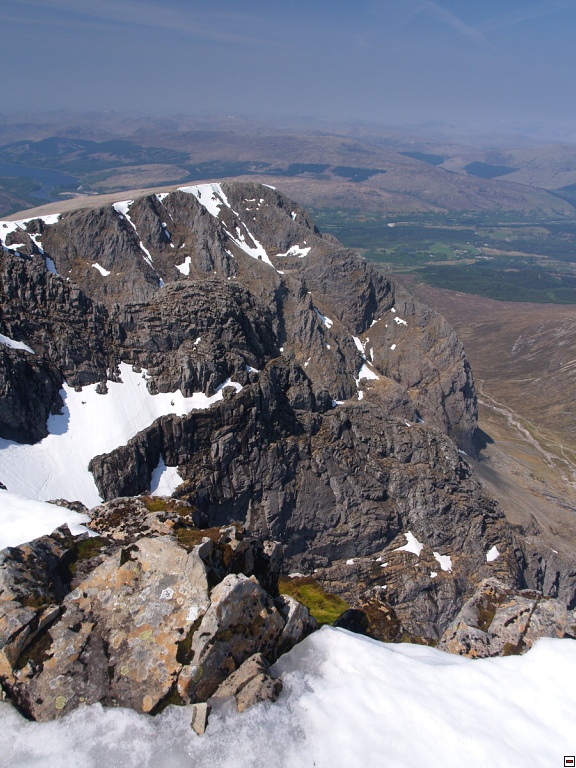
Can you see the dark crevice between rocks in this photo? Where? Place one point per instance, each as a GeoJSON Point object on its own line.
{"type": "Point", "coordinates": [126, 554]}
{"type": "Point", "coordinates": [37, 651]}
{"type": "Point", "coordinates": [172, 698]}
{"type": "Point", "coordinates": [184, 653]}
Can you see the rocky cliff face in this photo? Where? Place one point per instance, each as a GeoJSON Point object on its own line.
{"type": "Point", "coordinates": [353, 404]}
{"type": "Point", "coordinates": [240, 268]}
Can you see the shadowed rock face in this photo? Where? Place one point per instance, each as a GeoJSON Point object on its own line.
{"type": "Point", "coordinates": [355, 398]}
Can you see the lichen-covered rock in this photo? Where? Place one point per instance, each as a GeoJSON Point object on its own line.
{"type": "Point", "coordinates": [500, 621]}
{"type": "Point", "coordinates": [139, 620]}
{"type": "Point", "coordinates": [34, 574]}
{"type": "Point", "coordinates": [241, 620]}
{"type": "Point", "coordinates": [32, 583]}
{"type": "Point", "coordinates": [125, 519]}
{"type": "Point", "coordinates": [251, 683]}
{"type": "Point", "coordinates": [118, 639]}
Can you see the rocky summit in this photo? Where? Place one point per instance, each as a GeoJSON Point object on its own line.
{"type": "Point", "coordinates": [158, 614]}
{"type": "Point", "coordinates": [211, 345]}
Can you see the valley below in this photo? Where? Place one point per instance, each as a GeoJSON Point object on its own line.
{"type": "Point", "coordinates": [525, 375]}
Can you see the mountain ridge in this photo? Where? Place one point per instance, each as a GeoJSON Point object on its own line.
{"type": "Point", "coordinates": [340, 374]}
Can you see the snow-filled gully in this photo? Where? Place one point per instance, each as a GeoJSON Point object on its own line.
{"type": "Point", "coordinates": [90, 424]}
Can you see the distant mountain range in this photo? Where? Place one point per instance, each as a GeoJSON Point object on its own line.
{"type": "Point", "coordinates": [368, 171]}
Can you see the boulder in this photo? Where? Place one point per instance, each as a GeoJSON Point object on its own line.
{"type": "Point", "coordinates": [298, 623]}
{"type": "Point", "coordinates": [200, 715]}
{"type": "Point", "coordinates": [501, 621]}
{"type": "Point", "coordinates": [141, 622]}
{"type": "Point", "coordinates": [240, 621]}
{"type": "Point", "coordinates": [119, 637]}
{"type": "Point", "coordinates": [251, 683]}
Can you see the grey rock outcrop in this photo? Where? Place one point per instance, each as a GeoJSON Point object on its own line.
{"type": "Point", "coordinates": [240, 621]}
{"type": "Point", "coordinates": [139, 621]}
{"type": "Point", "coordinates": [250, 683]}
{"type": "Point", "coordinates": [499, 621]}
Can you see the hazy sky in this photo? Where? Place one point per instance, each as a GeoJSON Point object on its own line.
{"type": "Point", "coordinates": [462, 61]}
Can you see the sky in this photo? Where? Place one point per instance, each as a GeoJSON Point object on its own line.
{"type": "Point", "coordinates": [462, 62]}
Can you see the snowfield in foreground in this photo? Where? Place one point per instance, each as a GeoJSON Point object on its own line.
{"type": "Point", "coordinates": [348, 701]}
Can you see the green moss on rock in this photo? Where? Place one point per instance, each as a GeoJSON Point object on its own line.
{"type": "Point", "coordinates": [323, 606]}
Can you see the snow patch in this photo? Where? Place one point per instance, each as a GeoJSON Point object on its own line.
{"type": "Point", "coordinates": [492, 554]}
{"type": "Point", "coordinates": [103, 272]}
{"type": "Point", "coordinates": [22, 519]}
{"type": "Point", "coordinates": [412, 545]}
{"type": "Point", "coordinates": [365, 373]}
{"type": "Point", "coordinates": [185, 266]}
{"type": "Point", "coordinates": [256, 250]}
{"type": "Point", "coordinates": [326, 320]}
{"type": "Point", "coordinates": [6, 227]}
{"type": "Point", "coordinates": [296, 250]}
{"type": "Point", "coordinates": [399, 321]}
{"type": "Point", "coordinates": [8, 342]}
{"type": "Point", "coordinates": [50, 218]}
{"type": "Point", "coordinates": [444, 560]}
{"type": "Point", "coordinates": [90, 424]}
{"type": "Point", "coordinates": [50, 266]}
{"type": "Point", "coordinates": [347, 701]}
{"type": "Point", "coordinates": [164, 480]}
{"type": "Point", "coordinates": [211, 196]}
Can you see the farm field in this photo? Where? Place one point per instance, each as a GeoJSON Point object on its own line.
{"type": "Point", "coordinates": [509, 258]}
